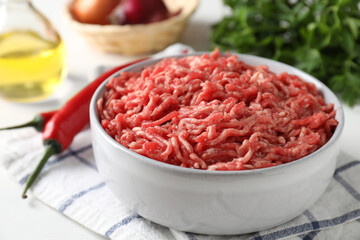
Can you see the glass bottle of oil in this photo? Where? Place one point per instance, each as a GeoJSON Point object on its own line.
{"type": "Point", "coordinates": [32, 54]}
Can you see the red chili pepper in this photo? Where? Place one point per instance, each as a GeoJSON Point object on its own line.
{"type": "Point", "coordinates": [38, 122]}
{"type": "Point", "coordinates": [61, 129]}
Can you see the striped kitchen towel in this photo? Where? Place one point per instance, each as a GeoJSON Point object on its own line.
{"type": "Point", "coordinates": [70, 184]}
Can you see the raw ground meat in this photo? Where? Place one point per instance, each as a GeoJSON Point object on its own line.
{"type": "Point", "coordinates": [215, 112]}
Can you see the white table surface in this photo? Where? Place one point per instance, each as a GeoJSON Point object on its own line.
{"type": "Point", "coordinates": [30, 219]}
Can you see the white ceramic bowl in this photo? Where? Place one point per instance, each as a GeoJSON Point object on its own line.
{"type": "Point", "coordinates": [216, 202]}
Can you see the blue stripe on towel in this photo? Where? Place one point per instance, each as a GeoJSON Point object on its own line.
{"type": "Point", "coordinates": [191, 236]}
{"type": "Point", "coordinates": [70, 201]}
{"type": "Point", "coordinates": [123, 222]}
{"type": "Point", "coordinates": [347, 186]}
{"type": "Point", "coordinates": [347, 166]}
{"type": "Point", "coordinates": [68, 154]}
{"type": "Point", "coordinates": [58, 159]}
{"type": "Point", "coordinates": [315, 224]}
{"type": "Point", "coordinates": [258, 237]}
{"type": "Point", "coordinates": [306, 227]}
{"type": "Point", "coordinates": [310, 235]}
{"type": "Point", "coordinates": [312, 219]}
{"type": "Point", "coordinates": [81, 159]}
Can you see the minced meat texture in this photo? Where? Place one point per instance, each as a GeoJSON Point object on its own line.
{"type": "Point", "coordinates": [215, 112]}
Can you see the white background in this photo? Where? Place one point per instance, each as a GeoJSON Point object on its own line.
{"type": "Point", "coordinates": [31, 219]}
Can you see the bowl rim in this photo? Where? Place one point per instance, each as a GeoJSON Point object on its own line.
{"type": "Point", "coordinates": [182, 170]}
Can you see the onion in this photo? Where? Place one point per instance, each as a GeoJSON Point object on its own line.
{"type": "Point", "coordinates": [144, 11]}
{"type": "Point", "coordinates": [93, 11]}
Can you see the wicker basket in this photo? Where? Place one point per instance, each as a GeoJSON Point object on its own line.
{"type": "Point", "coordinates": [140, 38]}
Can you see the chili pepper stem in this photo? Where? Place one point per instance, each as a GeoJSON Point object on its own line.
{"type": "Point", "coordinates": [49, 151]}
{"type": "Point", "coordinates": [37, 123]}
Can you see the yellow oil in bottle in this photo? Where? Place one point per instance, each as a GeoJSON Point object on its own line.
{"type": "Point", "coordinates": [31, 68]}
